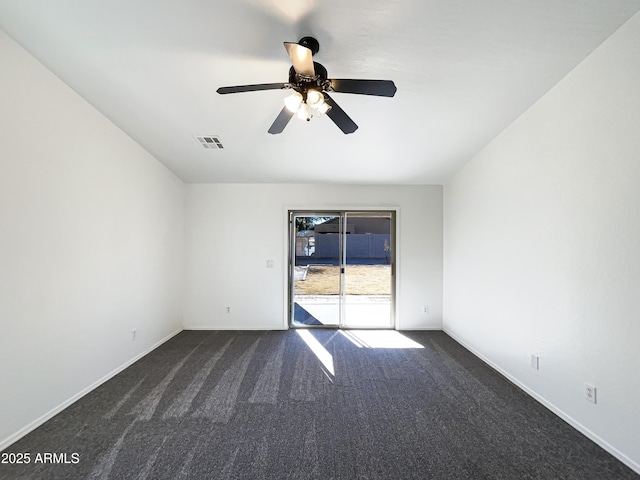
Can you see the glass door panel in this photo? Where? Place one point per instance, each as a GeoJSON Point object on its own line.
{"type": "Point", "coordinates": [341, 272]}
{"type": "Point", "coordinates": [368, 279]}
{"type": "Point", "coordinates": [316, 285]}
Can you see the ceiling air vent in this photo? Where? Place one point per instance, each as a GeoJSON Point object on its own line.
{"type": "Point", "coordinates": [209, 141]}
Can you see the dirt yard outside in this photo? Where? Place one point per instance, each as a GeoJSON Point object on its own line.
{"type": "Point", "coordinates": [359, 280]}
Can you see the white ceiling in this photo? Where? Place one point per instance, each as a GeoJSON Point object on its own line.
{"type": "Point", "coordinates": [464, 70]}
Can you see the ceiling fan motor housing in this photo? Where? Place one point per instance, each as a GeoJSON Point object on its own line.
{"type": "Point", "coordinates": [302, 83]}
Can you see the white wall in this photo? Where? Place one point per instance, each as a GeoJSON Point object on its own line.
{"type": "Point", "coordinates": [542, 247]}
{"type": "Point", "coordinates": [231, 230]}
{"type": "Point", "coordinates": [91, 245]}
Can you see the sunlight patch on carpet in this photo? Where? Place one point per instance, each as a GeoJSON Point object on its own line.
{"type": "Point", "coordinates": [379, 339]}
{"type": "Point", "coordinates": [321, 353]}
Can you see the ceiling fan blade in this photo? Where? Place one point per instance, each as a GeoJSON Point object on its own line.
{"type": "Point", "coordinates": [301, 58]}
{"type": "Point", "coordinates": [339, 117]}
{"type": "Point", "coordinates": [251, 88]}
{"type": "Point", "coordinates": [380, 88]}
{"type": "Point", "coordinates": [281, 121]}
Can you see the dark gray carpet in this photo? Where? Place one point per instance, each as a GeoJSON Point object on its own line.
{"type": "Point", "coordinates": [259, 405]}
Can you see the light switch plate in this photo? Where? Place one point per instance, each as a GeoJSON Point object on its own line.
{"type": "Point", "coordinates": [535, 362]}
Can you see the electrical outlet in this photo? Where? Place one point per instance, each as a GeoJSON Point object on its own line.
{"type": "Point", "coordinates": [228, 309]}
{"type": "Point", "coordinates": [426, 309]}
{"type": "Point", "coordinates": [590, 393]}
{"type": "Point", "coordinates": [133, 334]}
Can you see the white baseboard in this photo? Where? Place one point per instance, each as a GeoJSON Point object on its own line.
{"type": "Point", "coordinates": [230, 328]}
{"type": "Point", "coordinates": [53, 412]}
{"type": "Point", "coordinates": [563, 415]}
{"type": "Point", "coordinates": [420, 329]}
{"type": "Point", "coordinates": [262, 327]}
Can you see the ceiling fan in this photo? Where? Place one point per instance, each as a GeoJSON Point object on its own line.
{"type": "Point", "coordinates": [310, 85]}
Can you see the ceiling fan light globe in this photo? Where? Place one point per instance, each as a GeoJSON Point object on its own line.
{"type": "Point", "coordinates": [314, 98]}
{"type": "Point", "coordinates": [293, 102]}
{"type": "Point", "coordinates": [324, 107]}
{"type": "Point", "coordinates": [303, 112]}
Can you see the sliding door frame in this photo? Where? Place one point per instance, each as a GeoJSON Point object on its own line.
{"type": "Point", "coordinates": [344, 213]}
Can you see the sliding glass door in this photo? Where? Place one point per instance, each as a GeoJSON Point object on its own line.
{"type": "Point", "coordinates": [368, 270]}
{"type": "Point", "coordinates": [341, 269]}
